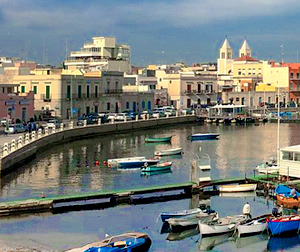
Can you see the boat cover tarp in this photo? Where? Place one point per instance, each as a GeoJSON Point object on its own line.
{"type": "Point", "coordinates": [285, 190]}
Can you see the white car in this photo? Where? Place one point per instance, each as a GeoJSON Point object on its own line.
{"type": "Point", "coordinates": [5, 120]}
{"type": "Point", "coordinates": [53, 123]}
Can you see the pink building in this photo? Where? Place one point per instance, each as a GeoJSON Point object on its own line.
{"type": "Point", "coordinates": [16, 105]}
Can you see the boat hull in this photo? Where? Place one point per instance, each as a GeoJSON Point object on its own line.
{"type": "Point", "coordinates": [284, 224]}
{"type": "Point", "coordinates": [238, 188]}
{"type": "Point", "coordinates": [157, 167]}
{"type": "Point", "coordinates": [169, 152]}
{"type": "Point", "coordinates": [253, 226]}
{"type": "Point", "coordinates": [285, 198]}
{"type": "Point", "coordinates": [133, 164]}
{"type": "Point", "coordinates": [157, 139]}
{"type": "Point", "coordinates": [204, 136]}
{"type": "Point", "coordinates": [167, 215]}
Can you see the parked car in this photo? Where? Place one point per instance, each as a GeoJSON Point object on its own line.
{"type": "Point", "coordinates": [53, 123]}
{"type": "Point", "coordinates": [5, 120]}
{"type": "Point", "coordinates": [14, 128]}
{"type": "Point", "coordinates": [158, 113]}
{"type": "Point", "coordinates": [129, 114]}
{"type": "Point", "coordinates": [89, 120]}
{"type": "Point", "coordinates": [111, 116]}
{"type": "Point", "coordinates": [122, 117]}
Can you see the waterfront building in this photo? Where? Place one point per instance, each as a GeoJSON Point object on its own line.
{"type": "Point", "coordinates": [103, 53]}
{"type": "Point", "coordinates": [188, 89]}
{"type": "Point", "coordinates": [294, 83]}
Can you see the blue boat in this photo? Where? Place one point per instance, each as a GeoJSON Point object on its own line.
{"type": "Point", "coordinates": [284, 224]}
{"type": "Point", "coordinates": [287, 197]}
{"type": "Point", "coordinates": [204, 136]}
{"type": "Point", "coordinates": [127, 242]}
{"type": "Point", "coordinates": [133, 164]}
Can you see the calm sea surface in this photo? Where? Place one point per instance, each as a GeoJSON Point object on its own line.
{"type": "Point", "coordinates": [70, 168]}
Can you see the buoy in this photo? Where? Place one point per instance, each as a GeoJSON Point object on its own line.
{"type": "Point", "coordinates": [97, 162]}
{"type": "Point", "coordinates": [104, 163]}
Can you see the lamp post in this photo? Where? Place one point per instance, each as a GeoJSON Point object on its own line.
{"type": "Point", "coordinates": [71, 100]}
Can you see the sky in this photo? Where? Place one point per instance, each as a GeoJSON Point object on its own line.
{"type": "Point", "coordinates": [158, 32]}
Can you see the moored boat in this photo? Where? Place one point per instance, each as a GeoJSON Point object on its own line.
{"type": "Point", "coordinates": [191, 220]}
{"type": "Point", "coordinates": [174, 151]}
{"type": "Point", "coordinates": [287, 197]}
{"type": "Point", "coordinates": [204, 136]}
{"type": "Point", "coordinates": [176, 214]}
{"type": "Point", "coordinates": [254, 225]}
{"type": "Point", "coordinates": [133, 241]}
{"type": "Point", "coordinates": [114, 162]}
{"type": "Point", "coordinates": [222, 225]}
{"type": "Point", "coordinates": [238, 188]}
{"type": "Point", "coordinates": [128, 164]}
{"type": "Point", "coordinates": [157, 139]}
{"type": "Point", "coordinates": [157, 167]}
{"type": "Point", "coordinates": [284, 224]}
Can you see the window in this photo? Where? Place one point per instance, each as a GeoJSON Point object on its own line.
{"type": "Point", "coordinates": [108, 106]}
{"type": "Point", "coordinates": [243, 71]}
{"type": "Point", "coordinates": [127, 105]}
{"type": "Point", "coordinates": [88, 91]}
{"type": "Point", "coordinates": [292, 75]}
{"type": "Point", "coordinates": [96, 91]}
{"type": "Point", "coordinates": [35, 89]}
{"type": "Point", "coordinates": [253, 71]}
{"type": "Point", "coordinates": [237, 99]}
{"type": "Point", "coordinates": [222, 55]}
{"type": "Point", "coordinates": [22, 89]}
{"type": "Point", "coordinates": [170, 81]}
{"type": "Point", "coordinates": [239, 72]}
{"type": "Point", "coordinates": [68, 91]}
{"type": "Point", "coordinates": [249, 71]}
{"type": "Point", "coordinates": [297, 156]}
{"type": "Point", "coordinates": [297, 75]}
{"type": "Point", "coordinates": [47, 92]}
{"type": "Point", "coordinates": [79, 91]}
{"type": "Point", "coordinates": [259, 71]}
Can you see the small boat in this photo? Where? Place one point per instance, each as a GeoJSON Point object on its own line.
{"type": "Point", "coordinates": [175, 151]}
{"type": "Point", "coordinates": [147, 174]}
{"type": "Point", "coordinates": [129, 164]}
{"type": "Point", "coordinates": [191, 220]}
{"type": "Point", "coordinates": [238, 188]}
{"type": "Point", "coordinates": [254, 225]}
{"type": "Point", "coordinates": [157, 167]}
{"type": "Point", "coordinates": [268, 167]}
{"type": "Point", "coordinates": [204, 136]}
{"type": "Point", "coordinates": [134, 241]}
{"type": "Point", "coordinates": [287, 197]}
{"type": "Point", "coordinates": [284, 224]}
{"type": "Point", "coordinates": [176, 214]}
{"type": "Point", "coordinates": [222, 225]}
{"type": "Point", "coordinates": [157, 139]}
{"type": "Point", "coordinates": [114, 162]}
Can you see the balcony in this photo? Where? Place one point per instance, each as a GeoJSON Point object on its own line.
{"type": "Point", "coordinates": [114, 91]}
{"type": "Point", "coordinates": [46, 98]}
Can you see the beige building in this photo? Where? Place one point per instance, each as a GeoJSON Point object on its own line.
{"type": "Point", "coordinates": [103, 53]}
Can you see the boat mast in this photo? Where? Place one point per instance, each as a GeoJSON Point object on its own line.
{"type": "Point", "coordinates": [278, 124]}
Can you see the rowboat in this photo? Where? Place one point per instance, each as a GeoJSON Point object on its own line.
{"type": "Point", "coordinates": [134, 241]}
{"type": "Point", "coordinates": [204, 136]}
{"type": "Point", "coordinates": [157, 167]}
{"type": "Point", "coordinates": [146, 174]}
{"type": "Point", "coordinates": [128, 164]}
{"type": "Point", "coordinates": [191, 220]}
{"type": "Point", "coordinates": [176, 214]}
{"type": "Point", "coordinates": [287, 197]}
{"type": "Point", "coordinates": [175, 151]}
{"type": "Point", "coordinates": [222, 225]}
{"type": "Point", "coordinates": [114, 162]}
{"type": "Point", "coordinates": [238, 188]}
{"type": "Point", "coordinates": [284, 224]}
{"type": "Point", "coordinates": [157, 139]}
{"type": "Point", "coordinates": [254, 225]}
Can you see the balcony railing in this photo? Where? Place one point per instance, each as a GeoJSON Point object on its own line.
{"type": "Point", "coordinates": [46, 98]}
{"type": "Point", "coordinates": [114, 91]}
{"type": "Point", "coordinates": [190, 92]}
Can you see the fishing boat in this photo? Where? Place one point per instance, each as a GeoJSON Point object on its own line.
{"type": "Point", "coordinates": [237, 188]}
{"type": "Point", "coordinates": [284, 224]}
{"type": "Point", "coordinates": [254, 225]}
{"type": "Point", "coordinates": [133, 241]}
{"type": "Point", "coordinates": [204, 136]}
{"type": "Point", "coordinates": [158, 139]}
{"type": "Point", "coordinates": [222, 225]}
{"type": "Point", "coordinates": [168, 152]}
{"type": "Point", "coordinates": [157, 167]}
{"type": "Point", "coordinates": [176, 214]}
{"type": "Point", "coordinates": [287, 197]}
{"type": "Point", "coordinates": [129, 164]}
{"type": "Point", "coordinates": [191, 220]}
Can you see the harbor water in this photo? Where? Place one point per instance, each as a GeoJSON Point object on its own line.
{"type": "Point", "coordinates": [73, 168]}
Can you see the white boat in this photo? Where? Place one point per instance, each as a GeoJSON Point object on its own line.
{"type": "Point", "coordinates": [221, 225]}
{"type": "Point", "coordinates": [176, 214]}
{"type": "Point", "coordinates": [175, 151]}
{"type": "Point", "coordinates": [252, 226]}
{"type": "Point", "coordinates": [204, 136]}
{"type": "Point", "coordinates": [268, 168]}
{"type": "Point", "coordinates": [191, 220]}
{"type": "Point", "coordinates": [114, 162]}
{"type": "Point", "coordinates": [238, 188]}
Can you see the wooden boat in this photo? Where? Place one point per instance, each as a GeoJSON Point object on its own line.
{"type": "Point", "coordinates": [204, 136]}
{"type": "Point", "coordinates": [254, 225]}
{"type": "Point", "coordinates": [157, 167]}
{"type": "Point", "coordinates": [176, 214]}
{"type": "Point", "coordinates": [286, 197]}
{"type": "Point", "coordinates": [191, 220]}
{"type": "Point", "coordinates": [175, 151]}
{"type": "Point", "coordinates": [284, 224]}
{"type": "Point", "coordinates": [157, 139]}
{"type": "Point", "coordinates": [129, 164]}
{"type": "Point", "coordinates": [134, 241]}
{"type": "Point", "coordinates": [221, 225]}
{"type": "Point", "coordinates": [238, 188]}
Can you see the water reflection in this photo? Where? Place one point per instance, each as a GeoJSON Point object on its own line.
{"type": "Point", "coordinates": [208, 243]}
{"type": "Point", "coordinates": [284, 243]}
{"type": "Point", "coordinates": [176, 236]}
